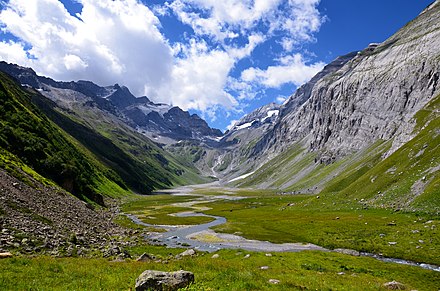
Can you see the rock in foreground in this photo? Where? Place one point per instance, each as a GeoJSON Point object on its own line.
{"type": "Point", "coordinates": [394, 285]}
{"type": "Point", "coordinates": [158, 280]}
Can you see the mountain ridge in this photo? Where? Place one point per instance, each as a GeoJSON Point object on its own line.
{"type": "Point", "coordinates": [171, 122]}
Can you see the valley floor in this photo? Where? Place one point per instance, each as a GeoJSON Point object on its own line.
{"type": "Point", "coordinates": [259, 216]}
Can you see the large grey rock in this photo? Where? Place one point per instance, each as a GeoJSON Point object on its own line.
{"type": "Point", "coordinates": [158, 280]}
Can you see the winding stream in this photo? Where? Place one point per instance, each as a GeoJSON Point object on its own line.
{"type": "Point", "coordinates": [201, 237]}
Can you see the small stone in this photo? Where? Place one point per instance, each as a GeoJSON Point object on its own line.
{"type": "Point", "coordinates": [421, 241]}
{"type": "Point", "coordinates": [382, 235]}
{"type": "Point", "coordinates": [264, 268]}
{"type": "Point", "coordinates": [5, 255]}
{"type": "Point", "coordinates": [274, 281]}
{"type": "Point", "coordinates": [337, 217]}
{"type": "Point", "coordinates": [268, 255]}
{"type": "Point", "coordinates": [187, 253]}
{"type": "Point", "coordinates": [392, 243]}
{"type": "Point", "coordinates": [215, 256]}
{"type": "Point", "coordinates": [394, 285]}
{"type": "Point", "coordinates": [247, 256]}
{"type": "Point", "coordinates": [145, 258]}
{"type": "Point", "coordinates": [341, 273]}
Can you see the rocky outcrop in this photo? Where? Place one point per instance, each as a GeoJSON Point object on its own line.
{"type": "Point", "coordinates": [157, 280]}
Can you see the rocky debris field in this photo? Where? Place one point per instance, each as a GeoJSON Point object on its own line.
{"type": "Point", "coordinates": [48, 220]}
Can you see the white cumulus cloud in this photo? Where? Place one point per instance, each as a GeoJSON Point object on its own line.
{"type": "Point", "coordinates": [198, 79]}
{"type": "Point", "coordinates": [231, 18]}
{"type": "Point", "coordinates": [292, 69]}
{"type": "Point", "coordinates": [108, 42]}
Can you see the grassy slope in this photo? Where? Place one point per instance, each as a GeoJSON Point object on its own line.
{"type": "Point", "coordinates": [31, 143]}
{"type": "Point", "coordinates": [410, 177]}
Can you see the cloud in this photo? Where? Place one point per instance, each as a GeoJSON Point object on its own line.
{"type": "Point", "coordinates": [229, 19]}
{"type": "Point", "coordinates": [292, 69]}
{"type": "Point", "coordinates": [198, 79]}
{"type": "Point", "coordinates": [13, 52]}
{"type": "Point", "coordinates": [108, 42]}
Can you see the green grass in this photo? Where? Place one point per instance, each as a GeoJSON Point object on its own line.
{"type": "Point", "coordinates": [332, 222]}
{"type": "Point", "coordinates": [296, 271]}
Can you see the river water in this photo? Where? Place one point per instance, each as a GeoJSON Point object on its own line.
{"type": "Point", "coordinates": [201, 237]}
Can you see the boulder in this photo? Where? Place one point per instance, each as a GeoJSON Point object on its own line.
{"type": "Point", "coordinates": [394, 285]}
{"type": "Point", "coordinates": [158, 280]}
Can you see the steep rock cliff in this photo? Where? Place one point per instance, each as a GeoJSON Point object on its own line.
{"type": "Point", "coordinates": [373, 96]}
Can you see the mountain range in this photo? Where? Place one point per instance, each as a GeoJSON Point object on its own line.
{"type": "Point", "coordinates": [367, 126]}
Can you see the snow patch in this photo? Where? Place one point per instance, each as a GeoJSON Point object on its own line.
{"type": "Point", "coordinates": [270, 113]}
{"type": "Point", "coordinates": [159, 108]}
{"type": "Point", "coordinates": [241, 177]}
{"type": "Point", "coordinates": [243, 126]}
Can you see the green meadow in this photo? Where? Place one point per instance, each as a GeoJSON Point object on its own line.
{"type": "Point", "coordinates": [230, 271]}
{"type": "Point", "coordinates": [267, 216]}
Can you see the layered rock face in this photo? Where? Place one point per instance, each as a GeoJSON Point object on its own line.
{"type": "Point", "coordinates": [372, 96]}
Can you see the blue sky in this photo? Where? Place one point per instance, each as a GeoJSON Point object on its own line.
{"type": "Point", "coordinates": [220, 59]}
